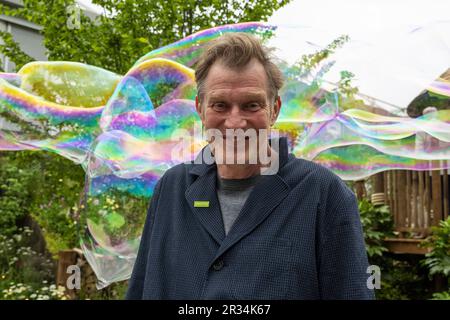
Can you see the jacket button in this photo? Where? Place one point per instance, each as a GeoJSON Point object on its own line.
{"type": "Point", "coordinates": [218, 265]}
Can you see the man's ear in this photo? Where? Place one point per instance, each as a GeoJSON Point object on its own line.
{"type": "Point", "coordinates": [276, 111]}
{"type": "Point", "coordinates": [198, 107]}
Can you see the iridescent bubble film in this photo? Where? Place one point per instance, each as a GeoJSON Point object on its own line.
{"type": "Point", "coordinates": [127, 130]}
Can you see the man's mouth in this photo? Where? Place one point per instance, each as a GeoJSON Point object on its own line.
{"type": "Point", "coordinates": [235, 137]}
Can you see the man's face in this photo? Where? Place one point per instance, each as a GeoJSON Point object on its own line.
{"type": "Point", "coordinates": [237, 99]}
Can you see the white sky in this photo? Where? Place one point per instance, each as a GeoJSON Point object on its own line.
{"type": "Point", "coordinates": [398, 46]}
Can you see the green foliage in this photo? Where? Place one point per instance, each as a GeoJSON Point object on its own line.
{"type": "Point", "coordinates": [11, 48]}
{"type": "Point", "coordinates": [347, 98]}
{"type": "Point", "coordinates": [61, 183]}
{"type": "Point", "coordinates": [310, 61]}
{"type": "Point", "coordinates": [24, 273]}
{"type": "Point", "coordinates": [346, 92]}
{"type": "Point", "coordinates": [118, 215]}
{"type": "Point", "coordinates": [377, 225]}
{"type": "Point", "coordinates": [441, 295]}
{"type": "Point", "coordinates": [401, 279]}
{"type": "Point", "coordinates": [438, 260]}
{"type": "Point", "coordinates": [426, 99]}
{"type": "Point", "coordinates": [20, 291]}
{"type": "Point", "coordinates": [345, 86]}
{"type": "Point", "coordinates": [16, 184]}
{"type": "Point", "coordinates": [135, 28]}
{"type": "Point", "coordinates": [312, 65]}
{"type": "Point", "coordinates": [45, 186]}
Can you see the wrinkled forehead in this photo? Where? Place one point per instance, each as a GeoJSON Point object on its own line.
{"type": "Point", "coordinates": [241, 94]}
{"type": "Point", "coordinates": [250, 79]}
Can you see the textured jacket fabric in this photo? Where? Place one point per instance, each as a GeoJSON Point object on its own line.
{"type": "Point", "coordinates": [298, 236]}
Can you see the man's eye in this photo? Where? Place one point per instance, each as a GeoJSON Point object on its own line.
{"type": "Point", "coordinates": [219, 106]}
{"type": "Point", "coordinates": [253, 106]}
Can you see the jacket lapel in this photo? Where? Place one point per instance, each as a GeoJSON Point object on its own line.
{"type": "Point", "coordinates": [204, 189]}
{"type": "Point", "coordinates": [263, 199]}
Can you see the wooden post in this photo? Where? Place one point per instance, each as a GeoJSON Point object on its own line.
{"type": "Point", "coordinates": [427, 200]}
{"type": "Point", "coordinates": [420, 211]}
{"type": "Point", "coordinates": [401, 196]}
{"type": "Point", "coordinates": [378, 182]}
{"type": "Point", "coordinates": [412, 218]}
{"type": "Point", "coordinates": [395, 192]}
{"type": "Point", "coordinates": [386, 189]}
{"type": "Point", "coordinates": [88, 279]}
{"type": "Point", "coordinates": [446, 194]}
{"type": "Point", "coordinates": [66, 258]}
{"type": "Point", "coordinates": [378, 195]}
{"type": "Point", "coordinates": [360, 189]}
{"type": "Point", "coordinates": [408, 194]}
{"type": "Point", "coordinates": [437, 196]}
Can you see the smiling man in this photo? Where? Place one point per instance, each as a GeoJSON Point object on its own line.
{"type": "Point", "coordinates": [237, 107]}
{"type": "Point", "coordinates": [255, 223]}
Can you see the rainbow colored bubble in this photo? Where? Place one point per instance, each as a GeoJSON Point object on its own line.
{"type": "Point", "coordinates": [127, 130]}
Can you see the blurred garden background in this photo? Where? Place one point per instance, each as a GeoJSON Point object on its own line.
{"type": "Point", "coordinates": [40, 191]}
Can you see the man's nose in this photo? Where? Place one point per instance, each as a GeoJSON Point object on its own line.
{"type": "Point", "coordinates": [235, 119]}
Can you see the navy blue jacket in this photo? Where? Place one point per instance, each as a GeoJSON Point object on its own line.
{"type": "Point", "coordinates": [298, 236]}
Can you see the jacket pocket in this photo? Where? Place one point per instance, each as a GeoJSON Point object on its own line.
{"type": "Point", "coordinates": [264, 270]}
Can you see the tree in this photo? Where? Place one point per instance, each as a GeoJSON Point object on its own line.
{"type": "Point", "coordinates": [128, 29]}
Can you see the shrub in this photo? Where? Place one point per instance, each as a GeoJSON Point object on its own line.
{"type": "Point", "coordinates": [402, 278]}
{"type": "Point", "coordinates": [377, 225]}
{"type": "Point", "coordinates": [15, 196]}
{"type": "Point", "coordinates": [438, 259]}
{"type": "Point", "coordinates": [20, 291]}
{"type": "Point", "coordinates": [25, 273]}
{"type": "Point", "coordinates": [45, 186]}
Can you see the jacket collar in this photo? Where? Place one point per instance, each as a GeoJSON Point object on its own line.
{"type": "Point", "coordinates": [266, 195]}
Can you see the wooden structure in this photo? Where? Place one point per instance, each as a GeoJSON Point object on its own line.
{"type": "Point", "coordinates": [75, 257]}
{"type": "Point", "coordinates": [418, 200]}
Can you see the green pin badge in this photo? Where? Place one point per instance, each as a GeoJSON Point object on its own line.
{"type": "Point", "coordinates": [201, 204]}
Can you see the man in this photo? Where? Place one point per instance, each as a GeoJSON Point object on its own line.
{"type": "Point", "coordinates": [241, 227]}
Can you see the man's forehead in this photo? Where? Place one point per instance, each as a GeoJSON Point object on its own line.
{"type": "Point", "coordinates": [244, 92]}
{"type": "Point", "coordinates": [252, 78]}
{"type": "Point", "coordinates": [252, 67]}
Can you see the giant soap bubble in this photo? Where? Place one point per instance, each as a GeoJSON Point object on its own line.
{"type": "Point", "coordinates": [127, 130]}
